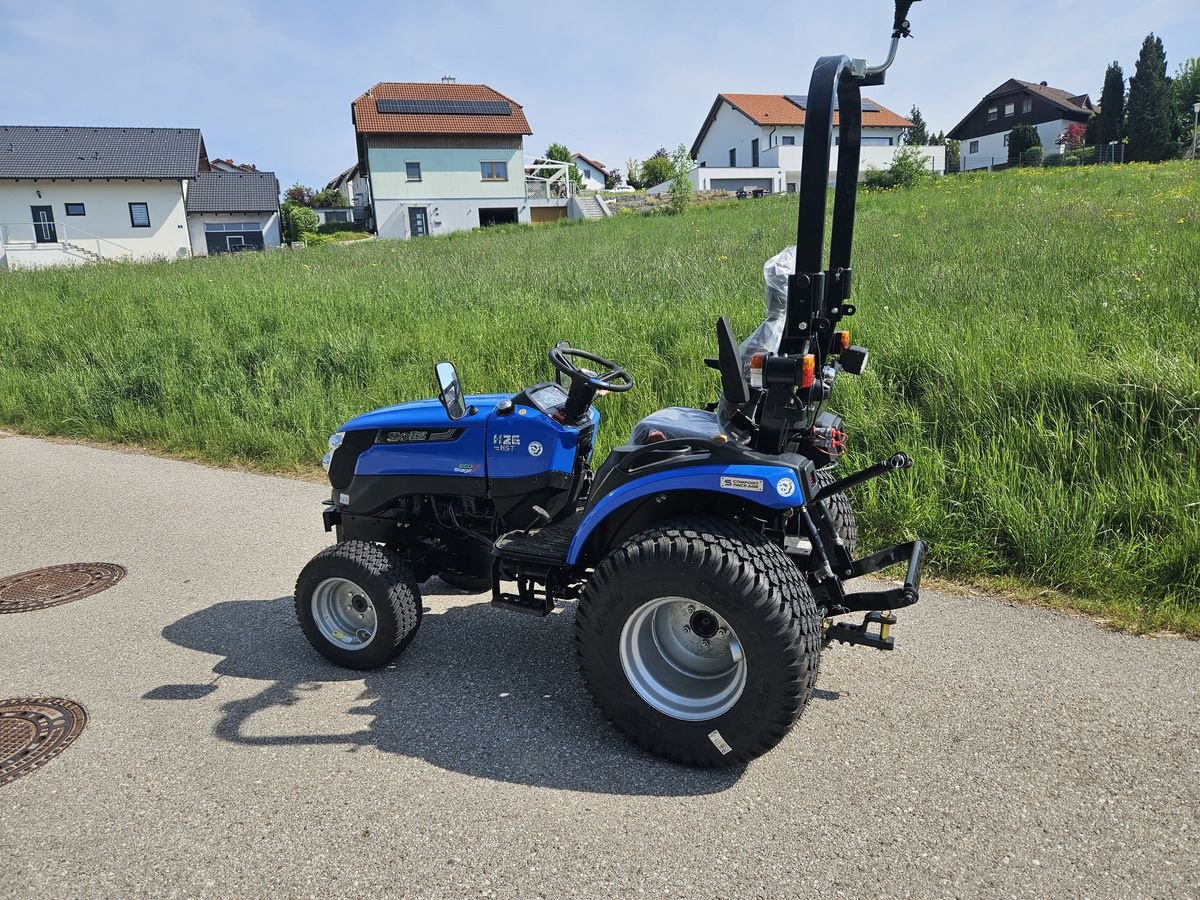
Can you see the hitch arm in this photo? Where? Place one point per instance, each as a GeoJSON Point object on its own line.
{"type": "Point", "coordinates": [883, 467]}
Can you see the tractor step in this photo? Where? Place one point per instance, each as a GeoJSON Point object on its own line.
{"type": "Point", "coordinates": [545, 547]}
{"type": "Point", "coordinates": [531, 606]}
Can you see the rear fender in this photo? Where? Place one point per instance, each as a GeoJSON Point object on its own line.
{"type": "Point", "coordinates": [722, 490]}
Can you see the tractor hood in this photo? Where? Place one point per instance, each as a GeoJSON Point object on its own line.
{"type": "Point", "coordinates": [425, 414]}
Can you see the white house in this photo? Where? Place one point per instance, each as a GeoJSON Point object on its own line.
{"type": "Point", "coordinates": [756, 141]}
{"type": "Point", "coordinates": [595, 176]}
{"type": "Point", "coordinates": [72, 195]}
{"type": "Point", "coordinates": [984, 131]}
{"type": "Point", "coordinates": [232, 211]}
{"type": "Point", "coordinates": [441, 157]}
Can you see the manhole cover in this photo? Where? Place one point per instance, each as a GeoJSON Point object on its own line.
{"type": "Point", "coordinates": [56, 584]}
{"type": "Point", "coordinates": [34, 730]}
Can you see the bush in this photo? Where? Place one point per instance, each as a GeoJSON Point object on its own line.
{"type": "Point", "coordinates": [296, 219]}
{"type": "Point", "coordinates": [1021, 140]}
{"type": "Point", "coordinates": [1053, 161]}
{"type": "Point", "coordinates": [313, 239]}
{"type": "Point", "coordinates": [909, 167]}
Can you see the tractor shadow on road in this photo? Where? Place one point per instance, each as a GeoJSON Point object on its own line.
{"type": "Point", "coordinates": [475, 693]}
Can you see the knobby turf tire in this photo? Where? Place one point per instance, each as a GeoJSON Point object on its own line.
{"type": "Point", "coordinates": [840, 511]}
{"type": "Point", "coordinates": [748, 581]}
{"type": "Point", "coordinates": [388, 581]}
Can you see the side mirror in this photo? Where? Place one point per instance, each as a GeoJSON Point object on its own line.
{"type": "Point", "coordinates": [450, 390]}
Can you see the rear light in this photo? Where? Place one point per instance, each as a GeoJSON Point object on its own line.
{"type": "Point", "coordinates": [757, 362]}
{"type": "Point", "coordinates": [841, 341]}
{"type": "Point", "coordinates": [808, 371]}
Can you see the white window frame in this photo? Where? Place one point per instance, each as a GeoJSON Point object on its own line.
{"type": "Point", "coordinates": [1027, 105]}
{"type": "Point", "coordinates": [993, 113]}
{"type": "Point", "coordinates": [1010, 109]}
{"type": "Point", "coordinates": [1006, 137]}
{"type": "Point", "coordinates": [408, 163]}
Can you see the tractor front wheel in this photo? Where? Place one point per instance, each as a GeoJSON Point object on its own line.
{"type": "Point", "coordinates": [358, 604]}
{"type": "Point", "coordinates": [700, 640]}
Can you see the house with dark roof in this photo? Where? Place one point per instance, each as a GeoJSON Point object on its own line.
{"type": "Point", "coordinates": [756, 141]}
{"type": "Point", "coordinates": [985, 129]}
{"type": "Point", "coordinates": [73, 195]}
{"type": "Point", "coordinates": [443, 157]}
{"type": "Point", "coordinates": [595, 175]}
{"type": "Point", "coordinates": [232, 211]}
{"type": "Point", "coordinates": [353, 185]}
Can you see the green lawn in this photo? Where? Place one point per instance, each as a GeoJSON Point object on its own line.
{"type": "Point", "coordinates": [1035, 342]}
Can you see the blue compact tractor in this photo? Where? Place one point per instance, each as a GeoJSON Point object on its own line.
{"type": "Point", "coordinates": [710, 556]}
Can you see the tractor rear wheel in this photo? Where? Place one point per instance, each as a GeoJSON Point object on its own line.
{"type": "Point", "coordinates": [700, 641]}
{"type": "Point", "coordinates": [358, 604]}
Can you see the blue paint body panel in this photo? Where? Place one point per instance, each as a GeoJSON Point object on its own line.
{"type": "Point", "coordinates": [772, 487]}
{"type": "Point", "coordinates": [521, 444]}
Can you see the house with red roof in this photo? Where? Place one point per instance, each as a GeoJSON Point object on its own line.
{"type": "Point", "coordinates": [755, 141]}
{"type": "Point", "coordinates": [595, 175]}
{"type": "Point", "coordinates": [985, 129]}
{"type": "Point", "coordinates": [443, 157]}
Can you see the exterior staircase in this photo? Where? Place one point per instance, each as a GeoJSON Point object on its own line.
{"type": "Point", "coordinates": [592, 208]}
{"type": "Point", "coordinates": [87, 254]}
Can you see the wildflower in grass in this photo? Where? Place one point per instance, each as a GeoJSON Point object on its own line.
{"type": "Point", "coordinates": [722, 258]}
{"type": "Point", "coordinates": [1137, 277]}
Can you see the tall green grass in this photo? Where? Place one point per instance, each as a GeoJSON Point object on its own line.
{"type": "Point", "coordinates": [1035, 342]}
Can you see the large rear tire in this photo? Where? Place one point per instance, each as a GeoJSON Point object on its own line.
{"type": "Point", "coordinates": [700, 641]}
{"type": "Point", "coordinates": [358, 604]}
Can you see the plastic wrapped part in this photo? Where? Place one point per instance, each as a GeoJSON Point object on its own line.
{"type": "Point", "coordinates": [676, 422]}
{"type": "Point", "coordinates": [769, 335]}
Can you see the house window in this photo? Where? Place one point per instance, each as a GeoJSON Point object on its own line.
{"type": "Point", "coordinates": [1009, 109]}
{"type": "Point", "coordinates": [974, 148]}
{"type": "Point", "coordinates": [877, 142]}
{"type": "Point", "coordinates": [232, 226]}
{"type": "Point", "coordinates": [139, 215]}
{"type": "Point", "coordinates": [413, 171]}
{"type": "Point", "coordinates": [789, 140]}
{"type": "Point", "coordinates": [993, 113]}
{"type": "Point", "coordinates": [733, 157]}
{"type": "Point", "coordinates": [791, 187]}
{"type": "Point", "coordinates": [494, 171]}
{"type": "Point", "coordinates": [75, 209]}
{"type": "Point", "coordinates": [1006, 139]}
{"type": "Point", "coordinates": [1027, 105]}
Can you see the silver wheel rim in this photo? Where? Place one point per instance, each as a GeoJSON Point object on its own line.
{"type": "Point", "coordinates": [683, 659]}
{"type": "Point", "coordinates": [344, 613]}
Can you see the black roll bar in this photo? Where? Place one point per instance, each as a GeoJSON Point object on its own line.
{"type": "Point", "coordinates": [815, 291]}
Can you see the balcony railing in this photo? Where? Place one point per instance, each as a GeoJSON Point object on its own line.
{"type": "Point", "coordinates": [59, 235]}
{"type": "Point", "coordinates": [548, 179]}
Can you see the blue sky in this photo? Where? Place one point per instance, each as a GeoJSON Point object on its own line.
{"type": "Point", "coordinates": [272, 83]}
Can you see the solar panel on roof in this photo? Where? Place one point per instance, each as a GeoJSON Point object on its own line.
{"type": "Point", "coordinates": [444, 107]}
{"type": "Point", "coordinates": [801, 100]}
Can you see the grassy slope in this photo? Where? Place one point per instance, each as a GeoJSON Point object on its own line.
{"type": "Point", "coordinates": [1033, 334]}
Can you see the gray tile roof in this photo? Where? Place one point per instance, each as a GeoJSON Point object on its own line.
{"type": "Point", "coordinates": [233, 192]}
{"type": "Point", "coordinates": [29, 151]}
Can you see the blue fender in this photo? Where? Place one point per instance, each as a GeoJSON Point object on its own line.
{"type": "Point", "coordinates": [771, 487]}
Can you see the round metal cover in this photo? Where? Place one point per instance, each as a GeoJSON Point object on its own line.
{"type": "Point", "coordinates": [34, 730]}
{"type": "Point", "coordinates": [55, 585]}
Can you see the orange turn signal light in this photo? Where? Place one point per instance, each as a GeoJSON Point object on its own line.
{"type": "Point", "coordinates": [757, 362]}
{"type": "Point", "coordinates": [808, 370]}
{"type": "Point", "coordinates": [841, 341]}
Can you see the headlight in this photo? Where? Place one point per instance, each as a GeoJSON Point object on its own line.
{"type": "Point", "coordinates": [335, 441]}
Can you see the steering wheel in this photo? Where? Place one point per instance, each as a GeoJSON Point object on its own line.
{"type": "Point", "coordinates": [611, 377]}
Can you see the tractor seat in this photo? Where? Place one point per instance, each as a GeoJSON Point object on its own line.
{"type": "Point", "coordinates": [674, 423]}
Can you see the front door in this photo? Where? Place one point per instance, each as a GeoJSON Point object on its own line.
{"type": "Point", "coordinates": [44, 231]}
{"type": "Point", "coordinates": [418, 223]}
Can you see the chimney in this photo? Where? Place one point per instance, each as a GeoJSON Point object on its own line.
{"type": "Point", "coordinates": [1044, 84]}
{"type": "Point", "coordinates": [447, 79]}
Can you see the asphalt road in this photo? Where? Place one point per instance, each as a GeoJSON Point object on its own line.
{"type": "Point", "coordinates": [1002, 751]}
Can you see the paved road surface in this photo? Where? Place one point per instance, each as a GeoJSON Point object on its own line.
{"type": "Point", "coordinates": [1003, 751]}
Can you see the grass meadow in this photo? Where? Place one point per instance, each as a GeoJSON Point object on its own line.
{"type": "Point", "coordinates": [1035, 341]}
